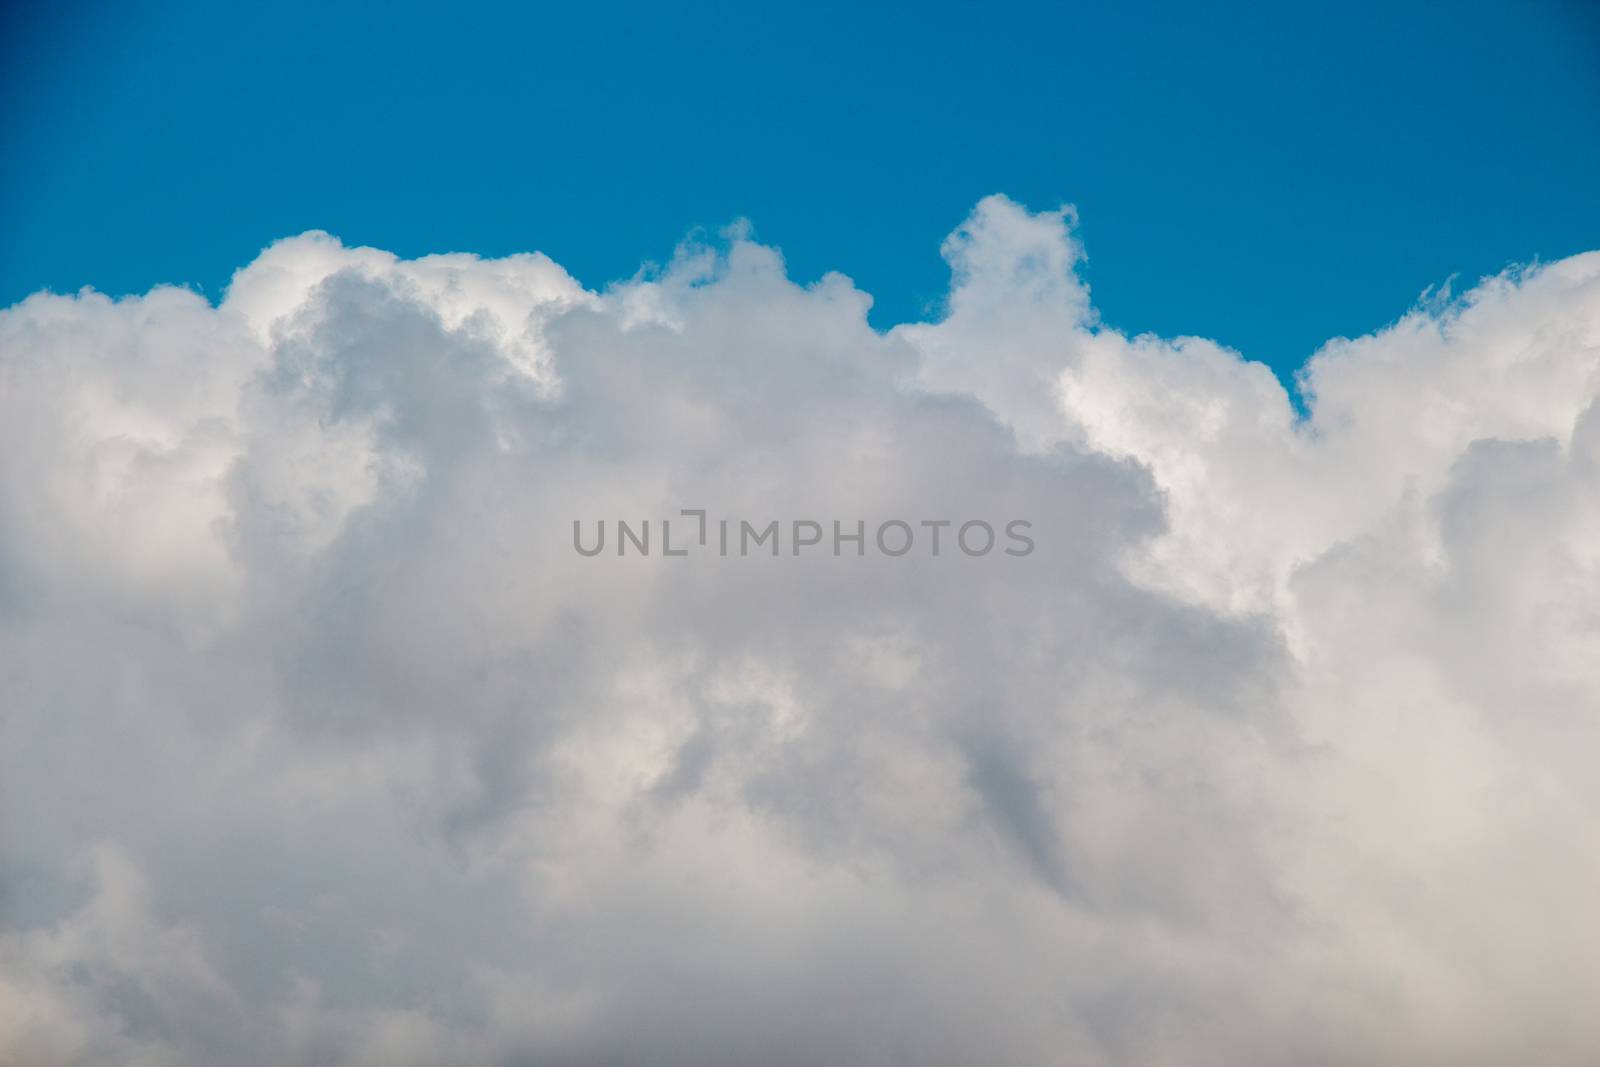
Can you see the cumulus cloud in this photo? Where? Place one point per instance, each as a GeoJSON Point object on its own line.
{"type": "Point", "coordinates": [321, 744]}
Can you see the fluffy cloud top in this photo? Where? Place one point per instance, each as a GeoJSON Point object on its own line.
{"type": "Point", "coordinates": [320, 745]}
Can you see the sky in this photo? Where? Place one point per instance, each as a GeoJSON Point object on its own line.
{"type": "Point", "coordinates": [1266, 176]}
{"type": "Point", "coordinates": [1259, 728]}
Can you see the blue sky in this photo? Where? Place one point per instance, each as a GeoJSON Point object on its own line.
{"type": "Point", "coordinates": [1265, 178]}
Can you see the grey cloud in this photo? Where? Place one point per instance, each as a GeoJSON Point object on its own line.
{"type": "Point", "coordinates": [322, 745]}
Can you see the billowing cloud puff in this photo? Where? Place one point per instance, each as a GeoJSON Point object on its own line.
{"type": "Point", "coordinates": [321, 744]}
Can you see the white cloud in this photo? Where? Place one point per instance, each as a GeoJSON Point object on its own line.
{"type": "Point", "coordinates": [321, 744]}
